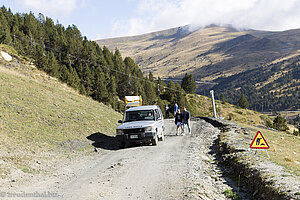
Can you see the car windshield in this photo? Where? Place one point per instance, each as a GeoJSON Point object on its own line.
{"type": "Point", "coordinates": [139, 115]}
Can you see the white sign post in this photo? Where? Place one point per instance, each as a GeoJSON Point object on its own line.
{"type": "Point", "coordinates": [213, 103]}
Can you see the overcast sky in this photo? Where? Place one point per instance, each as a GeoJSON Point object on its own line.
{"type": "Point", "coordinates": [98, 19]}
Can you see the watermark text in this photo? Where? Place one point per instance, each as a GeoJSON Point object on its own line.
{"type": "Point", "coordinates": [46, 194]}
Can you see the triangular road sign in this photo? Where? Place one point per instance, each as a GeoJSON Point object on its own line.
{"type": "Point", "coordinates": [259, 142]}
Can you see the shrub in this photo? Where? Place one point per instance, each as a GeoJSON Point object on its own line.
{"type": "Point", "coordinates": [230, 116]}
{"type": "Point", "coordinates": [239, 112]}
{"type": "Point", "coordinates": [296, 133]}
{"type": "Point", "coordinates": [268, 123]}
{"type": "Point", "coordinates": [243, 102]}
{"type": "Point", "coordinates": [279, 123]}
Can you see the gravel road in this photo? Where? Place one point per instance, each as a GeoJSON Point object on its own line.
{"type": "Point", "coordinates": [181, 167]}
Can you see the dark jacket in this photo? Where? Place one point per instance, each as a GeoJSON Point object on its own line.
{"type": "Point", "coordinates": [178, 117]}
{"type": "Point", "coordinates": [186, 115]}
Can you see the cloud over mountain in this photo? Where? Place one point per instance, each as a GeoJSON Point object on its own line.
{"type": "Point", "coordinates": [153, 15]}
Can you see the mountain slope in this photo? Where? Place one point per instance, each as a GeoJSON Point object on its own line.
{"type": "Point", "coordinates": [172, 52]}
{"type": "Point", "coordinates": [207, 52]}
{"type": "Point", "coordinates": [215, 54]}
{"type": "Point", "coordinates": [268, 88]}
{"type": "Point", "coordinates": [43, 122]}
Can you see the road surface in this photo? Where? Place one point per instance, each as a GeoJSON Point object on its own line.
{"type": "Point", "coordinates": [181, 167]}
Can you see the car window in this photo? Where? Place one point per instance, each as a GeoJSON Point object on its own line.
{"type": "Point", "coordinates": [139, 115]}
{"type": "Point", "coordinates": [157, 114]}
{"type": "Point", "coordinates": [160, 113]}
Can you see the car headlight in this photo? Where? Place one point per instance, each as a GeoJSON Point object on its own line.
{"type": "Point", "coordinates": [149, 129]}
{"type": "Point", "coordinates": [120, 132]}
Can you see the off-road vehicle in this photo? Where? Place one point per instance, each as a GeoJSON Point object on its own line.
{"type": "Point", "coordinates": [141, 124]}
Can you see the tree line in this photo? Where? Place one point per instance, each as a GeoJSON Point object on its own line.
{"type": "Point", "coordinates": [261, 86]}
{"type": "Point", "coordinates": [64, 53]}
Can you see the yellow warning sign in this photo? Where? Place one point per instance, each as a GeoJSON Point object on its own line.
{"type": "Point", "coordinates": [259, 142]}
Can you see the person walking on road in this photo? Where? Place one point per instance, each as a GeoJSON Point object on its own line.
{"type": "Point", "coordinates": [186, 116]}
{"type": "Point", "coordinates": [175, 108]}
{"type": "Point", "coordinates": [178, 120]}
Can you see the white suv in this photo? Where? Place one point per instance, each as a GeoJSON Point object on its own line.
{"type": "Point", "coordinates": [141, 124]}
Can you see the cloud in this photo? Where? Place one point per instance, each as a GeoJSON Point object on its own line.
{"type": "Point", "coordinates": [53, 7]}
{"type": "Point", "coordinates": [153, 15]}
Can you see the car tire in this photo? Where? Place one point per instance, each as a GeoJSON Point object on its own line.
{"type": "Point", "coordinates": [122, 145]}
{"type": "Point", "coordinates": [162, 138]}
{"type": "Point", "coordinates": [155, 140]}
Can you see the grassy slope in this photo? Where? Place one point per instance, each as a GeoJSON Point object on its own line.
{"type": "Point", "coordinates": [169, 56]}
{"type": "Point", "coordinates": [284, 148]}
{"type": "Point", "coordinates": [202, 106]}
{"type": "Point", "coordinates": [40, 117]}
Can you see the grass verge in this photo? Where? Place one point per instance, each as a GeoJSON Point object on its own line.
{"type": "Point", "coordinates": [43, 120]}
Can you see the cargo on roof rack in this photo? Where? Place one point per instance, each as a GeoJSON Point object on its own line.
{"type": "Point", "coordinates": [132, 101]}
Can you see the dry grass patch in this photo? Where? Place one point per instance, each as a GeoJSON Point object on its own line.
{"type": "Point", "coordinates": [284, 148]}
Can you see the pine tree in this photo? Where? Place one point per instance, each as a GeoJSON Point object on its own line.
{"type": "Point", "coordinates": [87, 79]}
{"type": "Point", "coordinates": [188, 83]}
{"type": "Point", "coordinates": [279, 123]}
{"type": "Point", "coordinates": [41, 59]}
{"type": "Point", "coordinates": [112, 88]}
{"type": "Point", "coordinates": [170, 92]}
{"type": "Point", "coordinates": [180, 96]}
{"type": "Point", "coordinates": [150, 92]}
{"type": "Point", "coordinates": [223, 99]}
{"type": "Point", "coordinates": [118, 63]}
{"type": "Point", "coordinates": [4, 30]}
{"type": "Point", "coordinates": [100, 92]}
{"type": "Point", "coordinates": [243, 103]}
{"type": "Point", "coordinates": [73, 79]}
{"type": "Point", "coordinates": [64, 73]}
{"type": "Point", "coordinates": [52, 65]}
{"type": "Point", "coordinates": [151, 78]}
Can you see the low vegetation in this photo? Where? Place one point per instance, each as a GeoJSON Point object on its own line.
{"type": "Point", "coordinates": [279, 123]}
{"type": "Point", "coordinates": [231, 195]}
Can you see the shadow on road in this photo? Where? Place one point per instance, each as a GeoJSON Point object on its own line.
{"type": "Point", "coordinates": [103, 141]}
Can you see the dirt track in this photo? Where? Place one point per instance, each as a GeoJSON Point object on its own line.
{"type": "Point", "coordinates": [181, 167]}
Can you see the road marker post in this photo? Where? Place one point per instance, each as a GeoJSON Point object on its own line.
{"type": "Point", "coordinates": [213, 103]}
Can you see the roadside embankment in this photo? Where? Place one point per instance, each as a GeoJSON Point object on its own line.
{"type": "Point", "coordinates": [263, 178]}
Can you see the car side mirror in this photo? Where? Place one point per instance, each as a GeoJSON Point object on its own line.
{"type": "Point", "coordinates": [120, 121]}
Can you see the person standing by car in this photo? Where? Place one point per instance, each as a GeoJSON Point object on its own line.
{"type": "Point", "coordinates": [178, 120]}
{"type": "Point", "coordinates": [167, 111]}
{"type": "Point", "coordinates": [186, 116]}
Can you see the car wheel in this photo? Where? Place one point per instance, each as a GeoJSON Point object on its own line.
{"type": "Point", "coordinates": [162, 138]}
{"type": "Point", "coordinates": [155, 140]}
{"type": "Point", "coordinates": [122, 145]}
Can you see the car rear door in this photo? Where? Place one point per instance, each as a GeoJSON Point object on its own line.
{"type": "Point", "coordinates": [159, 121]}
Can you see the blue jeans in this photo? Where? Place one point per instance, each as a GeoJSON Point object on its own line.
{"type": "Point", "coordinates": [188, 125]}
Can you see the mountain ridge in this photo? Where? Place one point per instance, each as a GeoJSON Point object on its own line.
{"type": "Point", "coordinates": [209, 53]}
{"type": "Point", "coordinates": [140, 46]}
